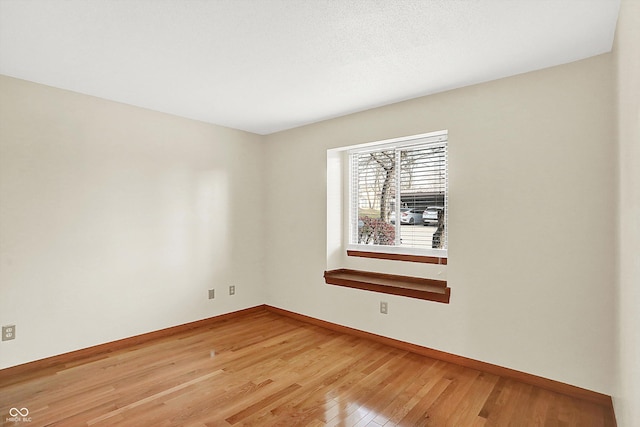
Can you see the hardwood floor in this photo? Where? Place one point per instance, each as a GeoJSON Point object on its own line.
{"type": "Point", "coordinates": [263, 369]}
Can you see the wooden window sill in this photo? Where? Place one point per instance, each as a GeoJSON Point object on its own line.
{"type": "Point", "coordinates": [413, 287]}
{"type": "Point", "coordinates": [399, 257]}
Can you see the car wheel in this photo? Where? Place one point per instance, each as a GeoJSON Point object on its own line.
{"type": "Point", "coordinates": [411, 221]}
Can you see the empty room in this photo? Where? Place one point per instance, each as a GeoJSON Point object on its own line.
{"type": "Point", "coordinates": [320, 213]}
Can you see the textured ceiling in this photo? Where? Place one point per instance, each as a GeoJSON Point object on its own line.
{"type": "Point", "coordinates": [270, 65]}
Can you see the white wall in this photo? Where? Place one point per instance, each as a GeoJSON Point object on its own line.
{"type": "Point", "coordinates": [627, 54]}
{"type": "Point", "coordinates": [114, 220]}
{"type": "Point", "coordinates": [532, 223]}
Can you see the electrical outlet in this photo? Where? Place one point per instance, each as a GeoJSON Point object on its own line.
{"type": "Point", "coordinates": [212, 293]}
{"type": "Point", "coordinates": [8, 332]}
{"type": "Point", "coordinates": [384, 309]}
{"type": "Point", "coordinates": [232, 290]}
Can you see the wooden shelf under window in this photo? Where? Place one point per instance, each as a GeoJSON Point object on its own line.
{"type": "Point", "coordinates": [413, 287]}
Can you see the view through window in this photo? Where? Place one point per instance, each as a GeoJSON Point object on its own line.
{"type": "Point", "coordinates": [398, 195]}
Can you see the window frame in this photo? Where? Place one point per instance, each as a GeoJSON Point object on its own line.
{"type": "Point", "coordinates": [393, 252]}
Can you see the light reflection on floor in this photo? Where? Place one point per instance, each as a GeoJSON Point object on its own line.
{"type": "Point", "coordinates": [340, 412]}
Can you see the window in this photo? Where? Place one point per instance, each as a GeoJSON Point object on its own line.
{"type": "Point", "coordinates": [398, 196]}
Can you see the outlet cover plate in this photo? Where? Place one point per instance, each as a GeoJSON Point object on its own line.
{"type": "Point", "coordinates": [384, 308]}
{"type": "Point", "coordinates": [8, 332]}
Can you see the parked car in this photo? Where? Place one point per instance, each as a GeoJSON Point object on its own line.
{"type": "Point", "coordinates": [407, 216]}
{"type": "Point", "coordinates": [430, 215]}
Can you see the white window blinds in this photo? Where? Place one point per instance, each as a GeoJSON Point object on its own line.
{"type": "Point", "coordinates": [398, 195]}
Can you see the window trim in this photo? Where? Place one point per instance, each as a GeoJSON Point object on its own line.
{"type": "Point", "coordinates": [398, 257]}
{"type": "Point", "coordinates": [426, 255]}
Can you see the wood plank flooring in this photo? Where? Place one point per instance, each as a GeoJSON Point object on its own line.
{"type": "Point", "coordinates": [264, 369]}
